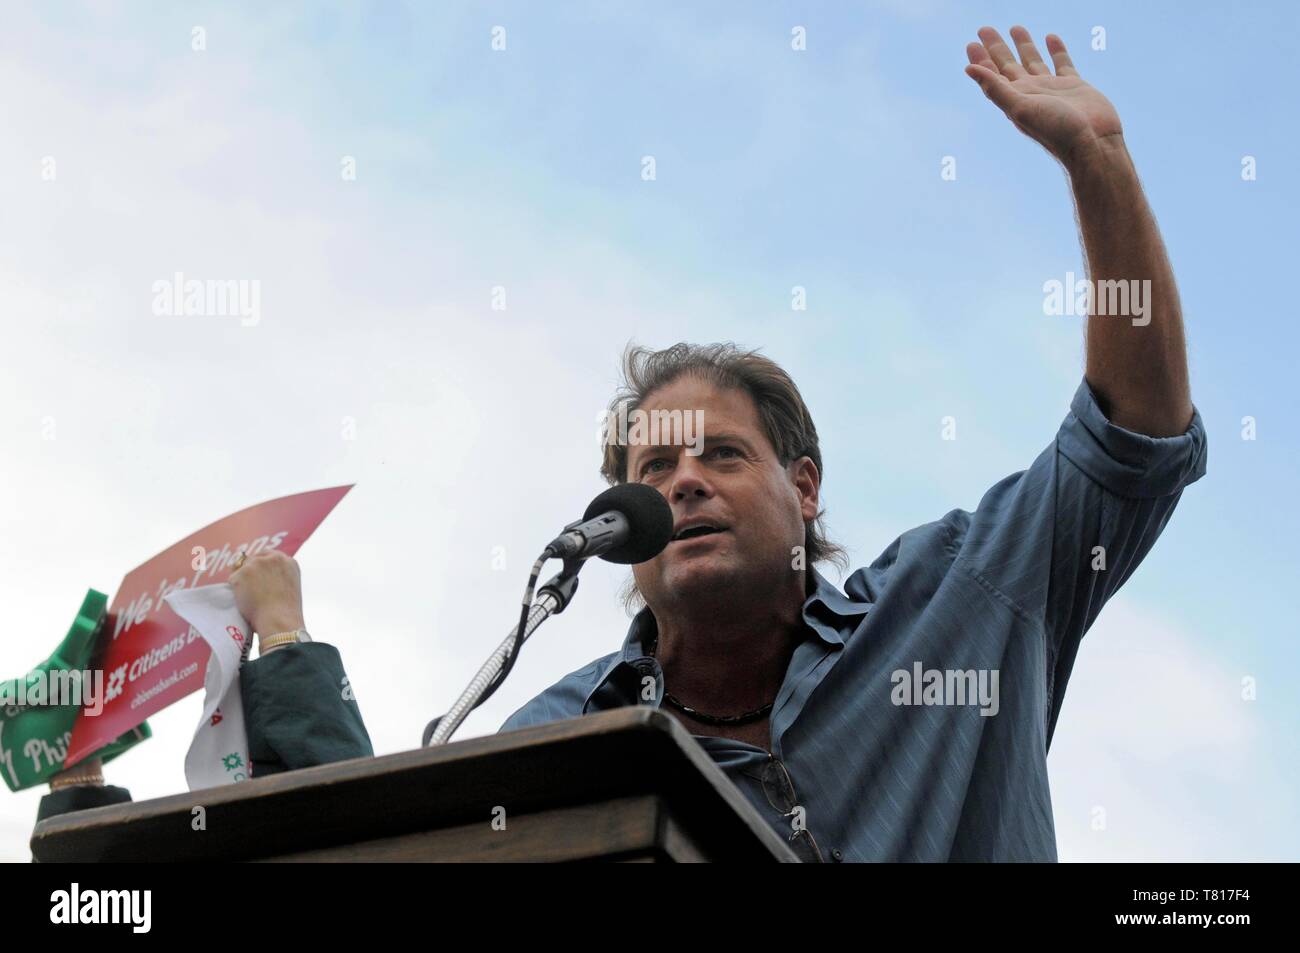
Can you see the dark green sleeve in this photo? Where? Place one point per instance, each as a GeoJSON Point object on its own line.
{"type": "Point", "coordinates": [299, 711]}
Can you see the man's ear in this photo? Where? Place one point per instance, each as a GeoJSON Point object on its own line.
{"type": "Point", "coordinates": [807, 483]}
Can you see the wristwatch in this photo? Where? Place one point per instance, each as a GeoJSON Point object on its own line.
{"type": "Point", "coordinates": [268, 642]}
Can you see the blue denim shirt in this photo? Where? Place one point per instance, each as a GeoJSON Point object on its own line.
{"type": "Point", "coordinates": [887, 772]}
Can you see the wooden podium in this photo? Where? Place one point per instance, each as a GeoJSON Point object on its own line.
{"type": "Point", "coordinates": [627, 785]}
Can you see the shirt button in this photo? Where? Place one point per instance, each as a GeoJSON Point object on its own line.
{"type": "Point", "coordinates": [837, 855]}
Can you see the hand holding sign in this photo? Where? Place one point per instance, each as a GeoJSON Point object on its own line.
{"type": "Point", "coordinates": [268, 593]}
{"type": "Point", "coordinates": [151, 657]}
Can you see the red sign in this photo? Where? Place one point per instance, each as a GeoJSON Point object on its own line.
{"type": "Point", "coordinates": [149, 655]}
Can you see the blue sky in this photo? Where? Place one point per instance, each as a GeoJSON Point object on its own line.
{"type": "Point", "coordinates": [521, 168]}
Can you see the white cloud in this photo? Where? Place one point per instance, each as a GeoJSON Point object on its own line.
{"type": "Point", "coordinates": [1154, 731]}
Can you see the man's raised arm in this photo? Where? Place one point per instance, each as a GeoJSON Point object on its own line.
{"type": "Point", "coordinates": [1137, 360]}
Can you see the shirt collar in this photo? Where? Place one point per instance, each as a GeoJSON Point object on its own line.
{"type": "Point", "coordinates": [830, 613]}
{"type": "Point", "coordinates": [827, 612]}
{"type": "Point", "coordinates": [641, 634]}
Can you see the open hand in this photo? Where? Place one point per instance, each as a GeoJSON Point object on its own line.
{"type": "Point", "coordinates": [1062, 112]}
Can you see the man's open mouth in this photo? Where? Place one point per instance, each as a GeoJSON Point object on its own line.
{"type": "Point", "coordinates": [700, 529]}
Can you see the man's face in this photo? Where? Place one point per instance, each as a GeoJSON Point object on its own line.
{"type": "Point", "coordinates": [738, 513]}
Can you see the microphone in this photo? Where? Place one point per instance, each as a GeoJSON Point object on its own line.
{"type": "Point", "coordinates": [628, 523]}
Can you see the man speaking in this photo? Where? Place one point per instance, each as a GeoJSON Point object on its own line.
{"type": "Point", "coordinates": [909, 719]}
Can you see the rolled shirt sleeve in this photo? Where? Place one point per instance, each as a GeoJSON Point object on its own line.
{"type": "Point", "coordinates": [1130, 464]}
{"type": "Point", "coordinates": [1059, 539]}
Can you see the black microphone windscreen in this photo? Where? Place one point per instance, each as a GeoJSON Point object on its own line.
{"type": "Point", "coordinates": [647, 513]}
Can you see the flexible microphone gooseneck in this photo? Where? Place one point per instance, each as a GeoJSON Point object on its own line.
{"type": "Point", "coordinates": [629, 523]}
